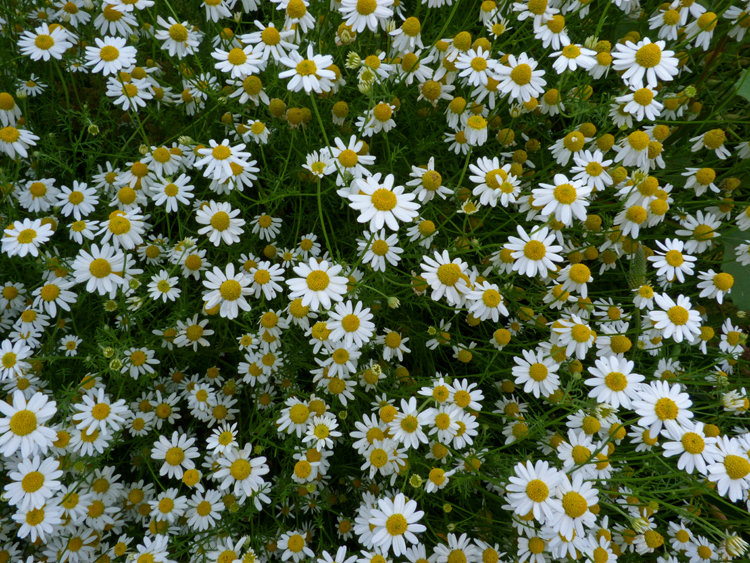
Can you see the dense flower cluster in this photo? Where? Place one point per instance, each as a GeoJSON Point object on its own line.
{"type": "Point", "coordinates": [479, 298]}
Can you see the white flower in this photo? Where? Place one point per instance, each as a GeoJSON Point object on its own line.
{"type": "Point", "coordinates": [537, 373]}
{"type": "Point", "coordinates": [228, 289]}
{"type": "Point", "coordinates": [644, 59]}
{"type": "Point", "coordinates": [534, 253]}
{"type": "Point", "coordinates": [22, 425]}
{"type": "Point", "coordinates": [613, 382]}
{"type": "Point", "coordinates": [110, 55]}
{"type": "Point", "coordinates": [24, 237]}
{"type": "Point", "coordinates": [318, 284]}
{"type": "Point", "coordinates": [676, 320]}
{"type": "Point", "coordinates": [662, 408]}
{"type": "Point", "coordinates": [395, 521]}
{"type": "Point", "coordinates": [310, 74]}
{"type": "Point", "coordinates": [383, 204]}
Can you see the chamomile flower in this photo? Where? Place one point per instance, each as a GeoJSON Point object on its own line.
{"type": "Point", "coordinates": [361, 14]}
{"type": "Point", "coordinates": [318, 284]}
{"type": "Point", "coordinates": [520, 79]}
{"type": "Point", "coordinates": [731, 468]}
{"type": "Point", "coordinates": [676, 320]}
{"type": "Point", "coordinates": [394, 522]}
{"type": "Point", "coordinates": [662, 408]}
{"type": "Point", "coordinates": [428, 182]}
{"type": "Point", "coordinates": [25, 237]}
{"type": "Point", "coordinates": [33, 483]}
{"type": "Point", "coordinates": [222, 222]}
{"type": "Point", "coordinates": [22, 425]}
{"type": "Point", "coordinates": [228, 289]}
{"type": "Point", "coordinates": [178, 39]}
{"type": "Point", "coordinates": [177, 452]}
{"type": "Point", "coordinates": [382, 203]}
{"type": "Point", "coordinates": [644, 59]}
{"type": "Point", "coordinates": [537, 372]}
{"type": "Point", "coordinates": [565, 199]}
{"type": "Point", "coordinates": [311, 74]}
{"type": "Point", "coordinates": [613, 382]}
{"type": "Point", "coordinates": [446, 277]}
{"type": "Point", "coordinates": [44, 43]}
{"type": "Point", "coordinates": [534, 253]}
{"type": "Point", "coordinates": [110, 55]}
{"type": "Point", "coordinates": [14, 141]}
{"type": "Point", "coordinates": [173, 193]}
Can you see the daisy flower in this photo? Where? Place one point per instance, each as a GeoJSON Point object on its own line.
{"type": "Point", "coordinates": [318, 284]}
{"type": "Point", "coordinates": [644, 59]}
{"type": "Point", "coordinates": [239, 470]}
{"type": "Point", "coordinates": [311, 74]}
{"type": "Point", "coordinates": [79, 201]}
{"type": "Point", "coordinates": [25, 237]}
{"type": "Point", "coordinates": [351, 324]}
{"type": "Point", "coordinates": [228, 289]}
{"type": "Point", "coordinates": [394, 522]}
{"type": "Point", "coordinates": [383, 203]}
{"type": "Point", "coordinates": [534, 254]}
{"type": "Point", "coordinates": [676, 320]}
{"type": "Point", "coordinates": [537, 373]}
{"type": "Point", "coordinates": [565, 199]}
{"type": "Point", "coordinates": [222, 223]}
{"type": "Point", "coordinates": [447, 278]}
{"type": "Point", "coordinates": [457, 548]}
{"type": "Point", "coordinates": [110, 55]}
{"type": "Point", "coordinates": [15, 141]}
{"type": "Point", "coordinates": [731, 468]}
{"type": "Point", "coordinates": [520, 79]}
{"type": "Point", "coordinates": [45, 44]}
{"type": "Point", "coordinates": [613, 382]}
{"type": "Point", "coordinates": [662, 408]}
{"type": "Point", "coordinates": [172, 193]}
{"type": "Point", "coordinates": [22, 425]}
{"type": "Point", "coordinates": [486, 302]}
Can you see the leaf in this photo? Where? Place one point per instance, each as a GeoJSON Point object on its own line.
{"type": "Point", "coordinates": [743, 85]}
{"type": "Point", "coordinates": [740, 295]}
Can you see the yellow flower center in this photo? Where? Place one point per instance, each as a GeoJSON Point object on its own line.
{"type": "Point", "coordinates": [44, 42]}
{"type": "Point", "coordinates": [240, 469]}
{"type": "Point", "coordinates": [521, 74]}
{"type": "Point", "coordinates": [666, 409]}
{"type": "Point", "coordinates": [534, 250]}
{"type": "Point", "coordinates": [648, 56]}
{"type": "Point", "coordinates": [736, 467]}
{"type": "Point", "coordinates": [538, 372]}
{"type": "Point", "coordinates": [678, 315]}
{"type": "Point", "coordinates": [231, 290]}
{"type": "Point", "coordinates": [109, 53]}
{"type": "Point", "coordinates": [306, 68]}
{"type": "Point", "coordinates": [574, 504]}
{"type": "Point", "coordinates": [449, 274]}
{"type": "Point", "coordinates": [565, 194]}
